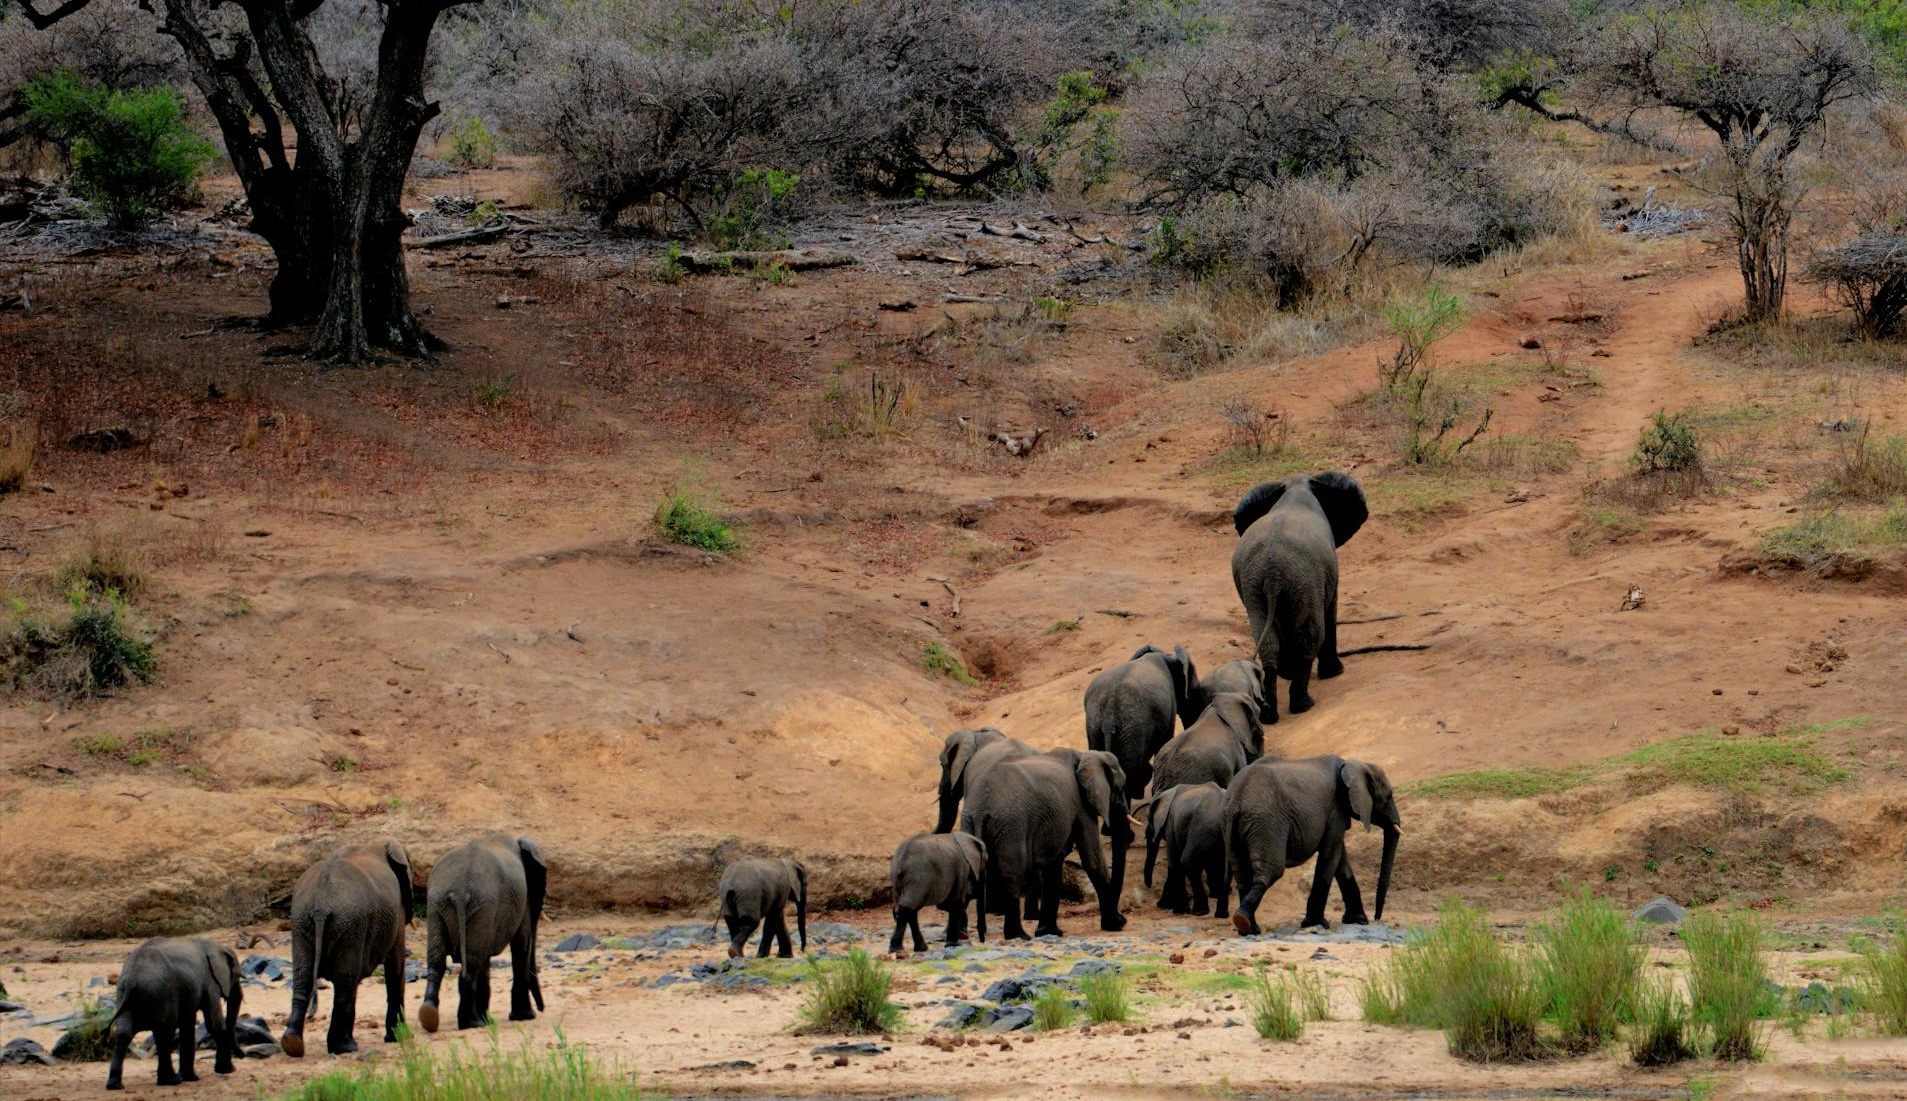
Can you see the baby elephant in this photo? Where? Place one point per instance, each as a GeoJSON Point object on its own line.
{"type": "Point", "coordinates": [1189, 820]}
{"type": "Point", "coordinates": [755, 892]}
{"type": "Point", "coordinates": [938, 869]}
{"type": "Point", "coordinates": [163, 987]}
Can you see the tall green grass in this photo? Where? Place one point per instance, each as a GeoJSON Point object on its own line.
{"type": "Point", "coordinates": [1282, 1003]}
{"type": "Point", "coordinates": [1729, 992]}
{"type": "Point", "coordinates": [1054, 1009]}
{"type": "Point", "coordinates": [1589, 962]}
{"type": "Point", "coordinates": [1884, 984]}
{"type": "Point", "coordinates": [1107, 997]}
{"type": "Point", "coordinates": [1659, 1031]}
{"type": "Point", "coordinates": [1460, 978]}
{"type": "Point", "coordinates": [849, 997]}
{"type": "Point", "coordinates": [561, 1072]}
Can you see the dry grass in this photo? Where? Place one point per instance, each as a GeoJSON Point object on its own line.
{"type": "Point", "coordinates": [16, 456]}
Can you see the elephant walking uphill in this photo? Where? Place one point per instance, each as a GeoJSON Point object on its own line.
{"type": "Point", "coordinates": [1130, 709]}
{"type": "Point", "coordinates": [485, 896]}
{"type": "Point", "coordinates": [348, 914]}
{"type": "Point", "coordinates": [1215, 748]}
{"type": "Point", "coordinates": [1279, 813]}
{"type": "Point", "coordinates": [1286, 570]}
{"type": "Point", "coordinates": [755, 892]}
{"type": "Point", "coordinates": [164, 986]}
{"type": "Point", "coordinates": [1189, 820]}
{"type": "Point", "coordinates": [1034, 809]}
{"type": "Point", "coordinates": [965, 758]}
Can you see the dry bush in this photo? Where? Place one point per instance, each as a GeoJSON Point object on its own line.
{"type": "Point", "coordinates": [1213, 323]}
{"type": "Point", "coordinates": [16, 455]}
{"type": "Point", "coordinates": [1253, 430]}
{"type": "Point", "coordinates": [1446, 32]}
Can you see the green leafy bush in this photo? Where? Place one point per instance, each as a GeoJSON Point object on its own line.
{"type": "Point", "coordinates": [1589, 962]}
{"type": "Point", "coordinates": [1729, 992]}
{"type": "Point", "coordinates": [89, 1039]}
{"type": "Point", "coordinates": [1668, 444]}
{"type": "Point", "coordinates": [472, 145]}
{"type": "Point", "coordinates": [939, 660]}
{"type": "Point", "coordinates": [758, 198]}
{"type": "Point", "coordinates": [130, 152]}
{"type": "Point", "coordinates": [849, 997]}
{"type": "Point", "coordinates": [93, 649]}
{"type": "Point", "coordinates": [684, 516]}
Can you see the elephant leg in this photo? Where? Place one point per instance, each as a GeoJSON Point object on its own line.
{"type": "Point", "coordinates": [1049, 901]}
{"type": "Point", "coordinates": [473, 989]}
{"type": "Point", "coordinates": [767, 938]}
{"type": "Point", "coordinates": [956, 920]}
{"type": "Point", "coordinates": [163, 1038]}
{"type": "Point", "coordinates": [1265, 638]}
{"type": "Point", "coordinates": [1321, 876]}
{"type": "Point", "coordinates": [1347, 887]}
{"type": "Point", "coordinates": [1329, 664]}
{"type": "Point", "coordinates": [1250, 894]}
{"type": "Point", "coordinates": [1173, 897]}
{"type": "Point", "coordinates": [188, 1013]}
{"type": "Point", "coordinates": [433, 986]}
{"type": "Point", "coordinates": [738, 933]}
{"type": "Point", "coordinates": [913, 922]}
{"type": "Point", "coordinates": [344, 1014]}
{"type": "Point", "coordinates": [1200, 905]}
{"type": "Point", "coordinates": [224, 1048]}
{"type": "Point", "coordinates": [787, 947]}
{"type": "Point", "coordinates": [1215, 873]}
{"type": "Point", "coordinates": [122, 1039]}
{"type": "Point", "coordinates": [1011, 929]}
{"type": "Point", "coordinates": [1034, 892]}
{"type": "Point", "coordinates": [394, 992]}
{"type": "Point", "coordinates": [522, 975]}
{"type": "Point", "coordinates": [900, 929]}
{"type": "Point", "coordinates": [1301, 700]}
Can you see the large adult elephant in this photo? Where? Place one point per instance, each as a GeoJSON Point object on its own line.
{"type": "Point", "coordinates": [1286, 571]}
{"type": "Point", "coordinates": [1279, 813]}
{"type": "Point", "coordinates": [965, 758]}
{"type": "Point", "coordinates": [348, 914]}
{"type": "Point", "coordinates": [1033, 810]}
{"type": "Point", "coordinates": [1215, 748]}
{"type": "Point", "coordinates": [485, 896]}
{"type": "Point", "coordinates": [1131, 707]}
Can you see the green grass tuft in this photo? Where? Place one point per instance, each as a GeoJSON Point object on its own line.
{"type": "Point", "coordinates": [1728, 983]}
{"type": "Point", "coordinates": [1106, 997]}
{"type": "Point", "coordinates": [90, 1039]}
{"type": "Point", "coordinates": [685, 517]}
{"type": "Point", "coordinates": [1282, 1003]}
{"type": "Point", "coordinates": [940, 661]}
{"type": "Point", "coordinates": [560, 1072]}
{"type": "Point", "coordinates": [1054, 1009]}
{"type": "Point", "coordinates": [93, 650]}
{"type": "Point", "coordinates": [1884, 984]}
{"type": "Point", "coordinates": [1833, 538]}
{"type": "Point", "coordinates": [1589, 962]}
{"type": "Point", "coordinates": [1460, 978]}
{"type": "Point", "coordinates": [1659, 1031]}
{"type": "Point", "coordinates": [849, 997]}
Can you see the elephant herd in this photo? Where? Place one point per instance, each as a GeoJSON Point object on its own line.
{"type": "Point", "coordinates": [1190, 752]}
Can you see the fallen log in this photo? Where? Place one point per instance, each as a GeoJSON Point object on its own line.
{"type": "Point", "coordinates": [463, 236]}
{"type": "Point", "coordinates": [793, 259]}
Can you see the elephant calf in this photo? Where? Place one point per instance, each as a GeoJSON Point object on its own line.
{"type": "Point", "coordinates": [164, 986]}
{"type": "Point", "coordinates": [348, 914]}
{"type": "Point", "coordinates": [485, 896]}
{"type": "Point", "coordinates": [1189, 820]}
{"type": "Point", "coordinates": [938, 869]}
{"type": "Point", "coordinates": [755, 891]}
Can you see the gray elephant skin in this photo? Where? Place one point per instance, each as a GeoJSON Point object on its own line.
{"type": "Point", "coordinates": [1243, 677]}
{"type": "Point", "coordinates": [1215, 748]}
{"type": "Point", "coordinates": [1031, 810]}
{"type": "Point", "coordinates": [1278, 814]}
{"type": "Point", "coordinates": [485, 896]}
{"type": "Point", "coordinates": [965, 758]}
{"type": "Point", "coordinates": [1286, 571]}
{"type": "Point", "coordinates": [943, 870]}
{"type": "Point", "coordinates": [1189, 822]}
{"type": "Point", "coordinates": [348, 914]}
{"type": "Point", "coordinates": [163, 987]}
{"type": "Point", "coordinates": [1131, 708]}
{"type": "Point", "coordinates": [756, 891]}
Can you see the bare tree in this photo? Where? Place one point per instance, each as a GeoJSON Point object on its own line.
{"type": "Point", "coordinates": [326, 195]}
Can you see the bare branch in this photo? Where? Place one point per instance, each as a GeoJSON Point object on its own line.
{"type": "Point", "coordinates": [42, 21]}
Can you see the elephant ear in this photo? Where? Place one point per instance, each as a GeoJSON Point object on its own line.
{"type": "Point", "coordinates": [1142, 651]}
{"type": "Point", "coordinates": [1355, 777]}
{"type": "Point", "coordinates": [1091, 770]}
{"type": "Point", "coordinates": [1184, 685]}
{"type": "Point", "coordinates": [536, 874]}
{"type": "Point", "coordinates": [222, 964]}
{"type": "Point", "coordinates": [400, 862]}
{"type": "Point", "coordinates": [1161, 809]}
{"type": "Point", "coordinates": [975, 850]}
{"type": "Point", "coordinates": [1343, 503]}
{"type": "Point", "coordinates": [1239, 714]}
{"type": "Point", "coordinates": [1257, 501]}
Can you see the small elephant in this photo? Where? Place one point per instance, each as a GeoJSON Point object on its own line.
{"type": "Point", "coordinates": [485, 896]}
{"type": "Point", "coordinates": [1244, 677]}
{"type": "Point", "coordinates": [1130, 709]}
{"type": "Point", "coordinates": [1279, 813]}
{"type": "Point", "coordinates": [1035, 809]}
{"type": "Point", "coordinates": [1286, 571]}
{"type": "Point", "coordinates": [756, 891]}
{"type": "Point", "coordinates": [965, 757]}
{"type": "Point", "coordinates": [1189, 820]}
{"type": "Point", "coordinates": [1215, 748]}
{"type": "Point", "coordinates": [348, 914]}
{"type": "Point", "coordinates": [164, 986]}
{"type": "Point", "coordinates": [938, 869]}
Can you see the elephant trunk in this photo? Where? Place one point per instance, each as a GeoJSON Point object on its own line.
{"type": "Point", "coordinates": [1152, 854]}
{"type": "Point", "coordinates": [1384, 870]}
{"type": "Point", "coordinates": [801, 916]}
{"type": "Point", "coordinates": [980, 906]}
{"type": "Point", "coordinates": [949, 807]}
{"type": "Point", "coordinates": [1121, 841]}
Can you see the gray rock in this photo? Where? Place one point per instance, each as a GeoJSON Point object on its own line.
{"type": "Point", "coordinates": [861, 1047]}
{"type": "Point", "coordinates": [1091, 967]}
{"type": "Point", "coordinates": [945, 979]}
{"type": "Point", "coordinates": [661, 981]}
{"type": "Point", "coordinates": [259, 1051]}
{"type": "Point", "coordinates": [1016, 990]}
{"type": "Point", "coordinates": [975, 969]}
{"type": "Point", "coordinates": [416, 971]}
{"type": "Point", "coordinates": [962, 1017]}
{"type": "Point", "coordinates": [833, 932]}
{"type": "Point", "coordinates": [668, 938]}
{"type": "Point", "coordinates": [11, 1007]}
{"type": "Point", "coordinates": [577, 942]}
{"type": "Point", "coordinates": [1662, 911]}
{"type": "Point", "coordinates": [253, 1030]}
{"type": "Point", "coordinates": [22, 1052]}
{"type": "Point", "coordinates": [728, 1064]}
{"type": "Point", "coordinates": [1007, 1018]}
{"type": "Point", "coordinates": [267, 968]}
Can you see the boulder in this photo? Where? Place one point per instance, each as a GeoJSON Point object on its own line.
{"type": "Point", "coordinates": [962, 1016]}
{"type": "Point", "coordinates": [1007, 1018]}
{"type": "Point", "coordinates": [23, 1052]}
{"type": "Point", "coordinates": [1662, 911]}
{"type": "Point", "coordinates": [577, 942]}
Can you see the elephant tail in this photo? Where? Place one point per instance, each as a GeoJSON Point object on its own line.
{"type": "Point", "coordinates": [463, 934]}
